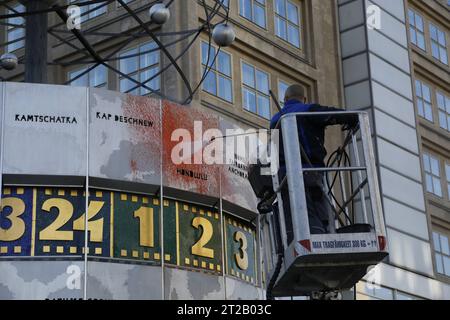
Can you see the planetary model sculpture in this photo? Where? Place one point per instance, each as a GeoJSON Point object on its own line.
{"type": "Point", "coordinates": [220, 32]}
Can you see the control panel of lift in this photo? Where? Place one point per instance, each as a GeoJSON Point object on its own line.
{"type": "Point", "coordinates": [355, 236]}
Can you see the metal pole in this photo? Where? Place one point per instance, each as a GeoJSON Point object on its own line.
{"type": "Point", "coordinates": [161, 207]}
{"type": "Point", "coordinates": [36, 42]}
{"type": "Point", "coordinates": [360, 178]}
{"type": "Point", "coordinates": [344, 191]}
{"type": "Point", "coordinates": [86, 232]}
{"type": "Point", "coordinates": [222, 238]}
{"type": "Point", "coordinates": [374, 191]}
{"type": "Point", "coordinates": [294, 172]}
{"type": "Point", "coordinates": [334, 169]}
{"type": "Point", "coordinates": [2, 139]}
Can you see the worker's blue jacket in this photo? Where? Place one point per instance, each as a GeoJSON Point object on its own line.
{"type": "Point", "coordinates": [311, 129]}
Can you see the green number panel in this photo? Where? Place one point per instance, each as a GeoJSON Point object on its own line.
{"type": "Point", "coordinates": [199, 238]}
{"type": "Point", "coordinates": [240, 250]}
{"type": "Point", "coordinates": [170, 234]}
{"type": "Point", "coordinates": [136, 227]}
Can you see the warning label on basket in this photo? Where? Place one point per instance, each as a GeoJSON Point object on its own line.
{"type": "Point", "coordinates": [337, 244]}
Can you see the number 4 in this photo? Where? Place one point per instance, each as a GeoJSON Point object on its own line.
{"type": "Point", "coordinates": [65, 213]}
{"type": "Point", "coordinates": [95, 227]}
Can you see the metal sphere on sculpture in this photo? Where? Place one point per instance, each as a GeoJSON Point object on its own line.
{"type": "Point", "coordinates": [223, 35]}
{"type": "Point", "coordinates": [9, 61]}
{"type": "Point", "coordinates": [159, 13]}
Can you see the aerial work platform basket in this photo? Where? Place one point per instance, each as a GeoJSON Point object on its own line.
{"type": "Point", "coordinates": [355, 238]}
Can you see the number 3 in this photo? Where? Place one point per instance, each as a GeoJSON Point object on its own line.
{"type": "Point", "coordinates": [17, 228]}
{"type": "Point", "coordinates": [241, 257]}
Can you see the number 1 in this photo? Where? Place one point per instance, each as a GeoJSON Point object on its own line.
{"type": "Point", "coordinates": [146, 225]}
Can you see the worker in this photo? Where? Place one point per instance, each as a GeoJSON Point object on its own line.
{"type": "Point", "coordinates": [311, 132]}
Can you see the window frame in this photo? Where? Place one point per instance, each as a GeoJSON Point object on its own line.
{"type": "Point", "coordinates": [445, 110]}
{"type": "Point", "coordinates": [432, 174]}
{"type": "Point", "coordinates": [265, 28]}
{"type": "Point", "coordinates": [287, 22]}
{"type": "Point", "coordinates": [421, 97]}
{"type": "Point", "coordinates": [88, 75]}
{"type": "Point", "coordinates": [447, 178]}
{"type": "Point", "coordinates": [281, 99]}
{"type": "Point", "coordinates": [436, 42]}
{"type": "Point", "coordinates": [20, 44]}
{"type": "Point", "coordinates": [413, 27]}
{"type": "Point", "coordinates": [139, 70]}
{"type": "Point", "coordinates": [87, 17]}
{"type": "Point", "coordinates": [118, 5]}
{"type": "Point", "coordinates": [217, 72]}
{"type": "Point", "coordinates": [439, 252]}
{"type": "Point", "coordinates": [255, 90]}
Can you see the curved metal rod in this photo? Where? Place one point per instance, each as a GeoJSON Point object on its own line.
{"type": "Point", "coordinates": [98, 60]}
{"type": "Point", "coordinates": [94, 54]}
{"type": "Point", "coordinates": [189, 98]}
{"type": "Point", "coordinates": [162, 47]}
{"type": "Point", "coordinates": [51, 9]}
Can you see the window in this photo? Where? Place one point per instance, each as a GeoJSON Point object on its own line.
{"type": "Point", "coordinates": [443, 103]}
{"type": "Point", "coordinates": [432, 175]}
{"type": "Point", "coordinates": [218, 81]}
{"type": "Point", "coordinates": [447, 174]}
{"type": "Point", "coordinates": [126, 2]}
{"type": "Point", "coordinates": [95, 9]}
{"type": "Point", "coordinates": [416, 29]}
{"type": "Point", "coordinates": [423, 100]}
{"type": "Point", "coordinates": [374, 291]}
{"type": "Point", "coordinates": [254, 10]}
{"type": "Point", "coordinates": [438, 44]}
{"type": "Point", "coordinates": [255, 90]}
{"type": "Point", "coordinates": [287, 22]}
{"type": "Point", "coordinates": [404, 296]}
{"type": "Point", "coordinates": [96, 77]}
{"type": "Point", "coordinates": [141, 64]}
{"type": "Point", "coordinates": [441, 253]}
{"type": "Point", "coordinates": [16, 30]}
{"type": "Point", "coordinates": [282, 87]}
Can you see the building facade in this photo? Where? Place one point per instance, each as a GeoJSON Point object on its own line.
{"type": "Point", "coordinates": [397, 70]}
{"type": "Point", "coordinates": [388, 69]}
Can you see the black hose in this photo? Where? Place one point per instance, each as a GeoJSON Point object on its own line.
{"type": "Point", "coordinates": [274, 278]}
{"type": "Point", "coordinates": [336, 156]}
{"type": "Point", "coordinates": [280, 253]}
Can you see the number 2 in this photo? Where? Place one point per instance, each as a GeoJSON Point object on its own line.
{"type": "Point", "coordinates": [198, 248]}
{"type": "Point", "coordinates": [65, 212]}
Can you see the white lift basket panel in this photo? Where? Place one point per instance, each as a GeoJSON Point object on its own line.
{"type": "Point", "coordinates": [356, 237]}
